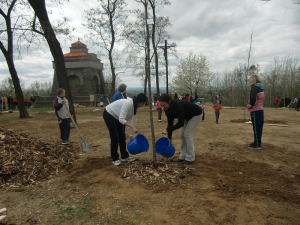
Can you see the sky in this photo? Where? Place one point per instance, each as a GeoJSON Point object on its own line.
{"type": "Point", "coordinates": [219, 29]}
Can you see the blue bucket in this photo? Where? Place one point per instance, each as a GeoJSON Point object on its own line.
{"type": "Point", "coordinates": [164, 147]}
{"type": "Point", "coordinates": [138, 145]}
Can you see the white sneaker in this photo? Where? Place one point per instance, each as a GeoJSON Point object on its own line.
{"type": "Point", "coordinates": [159, 120]}
{"type": "Point", "coordinates": [117, 162]}
{"type": "Point", "coordinates": [128, 159]}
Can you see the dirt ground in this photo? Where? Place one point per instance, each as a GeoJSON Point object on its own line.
{"type": "Point", "coordinates": [227, 184]}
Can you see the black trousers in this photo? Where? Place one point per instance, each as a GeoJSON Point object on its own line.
{"type": "Point", "coordinates": [117, 136]}
{"type": "Point", "coordinates": [64, 127]}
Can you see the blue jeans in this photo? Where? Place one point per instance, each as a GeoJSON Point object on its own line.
{"type": "Point", "coordinates": [117, 136]}
{"type": "Point", "coordinates": [217, 116]}
{"type": "Point", "coordinates": [159, 110]}
{"type": "Point", "coordinates": [276, 105]}
{"type": "Point", "coordinates": [257, 118]}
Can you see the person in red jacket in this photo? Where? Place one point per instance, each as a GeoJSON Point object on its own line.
{"type": "Point", "coordinates": [217, 108]}
{"type": "Point", "coordinates": [276, 102]}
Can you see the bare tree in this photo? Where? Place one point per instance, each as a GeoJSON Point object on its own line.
{"type": "Point", "coordinates": [41, 13]}
{"type": "Point", "coordinates": [281, 78]}
{"type": "Point", "coordinates": [27, 31]}
{"type": "Point", "coordinates": [7, 86]}
{"type": "Point", "coordinates": [106, 23]}
{"type": "Point", "coordinates": [147, 65]}
{"type": "Point", "coordinates": [40, 88]}
{"type": "Point", "coordinates": [9, 56]}
{"type": "Point", "coordinates": [153, 4]}
{"type": "Point", "coordinates": [136, 36]}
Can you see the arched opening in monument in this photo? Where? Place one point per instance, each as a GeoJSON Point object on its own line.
{"type": "Point", "coordinates": [74, 82]}
{"type": "Point", "coordinates": [96, 85]}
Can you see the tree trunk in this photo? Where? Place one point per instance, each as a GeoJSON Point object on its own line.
{"type": "Point", "coordinates": [18, 90]}
{"type": "Point", "coordinates": [155, 48]}
{"type": "Point", "coordinates": [113, 74]}
{"type": "Point", "coordinates": [8, 54]}
{"type": "Point", "coordinates": [39, 8]}
{"type": "Point", "coordinates": [146, 68]}
{"type": "Point", "coordinates": [149, 90]}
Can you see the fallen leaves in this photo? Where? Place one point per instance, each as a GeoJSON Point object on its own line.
{"type": "Point", "coordinates": [26, 160]}
{"type": "Point", "coordinates": [167, 172]}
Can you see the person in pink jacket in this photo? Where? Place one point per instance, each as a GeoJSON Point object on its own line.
{"type": "Point", "coordinates": [256, 109]}
{"type": "Point", "coordinates": [158, 108]}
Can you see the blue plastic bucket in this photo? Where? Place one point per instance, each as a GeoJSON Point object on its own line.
{"type": "Point", "coordinates": [138, 145]}
{"type": "Point", "coordinates": [164, 147]}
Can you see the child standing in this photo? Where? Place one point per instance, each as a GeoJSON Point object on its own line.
{"type": "Point", "coordinates": [159, 110]}
{"type": "Point", "coordinates": [61, 107]}
{"type": "Point", "coordinates": [203, 110]}
{"type": "Point", "coordinates": [101, 101]}
{"type": "Point", "coordinates": [217, 108]}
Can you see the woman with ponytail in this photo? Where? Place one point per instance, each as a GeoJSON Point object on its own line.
{"type": "Point", "coordinates": [189, 116]}
{"type": "Point", "coordinates": [117, 115]}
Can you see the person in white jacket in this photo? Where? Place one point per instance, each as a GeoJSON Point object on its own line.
{"type": "Point", "coordinates": [117, 115]}
{"type": "Point", "coordinates": [61, 111]}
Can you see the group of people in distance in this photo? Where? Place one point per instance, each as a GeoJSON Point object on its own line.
{"type": "Point", "coordinates": [9, 101]}
{"type": "Point", "coordinates": [286, 102]}
{"type": "Point", "coordinates": [121, 111]}
{"type": "Point", "coordinates": [10, 105]}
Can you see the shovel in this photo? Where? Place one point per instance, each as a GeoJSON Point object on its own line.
{"type": "Point", "coordinates": [106, 98]}
{"type": "Point", "coordinates": [84, 144]}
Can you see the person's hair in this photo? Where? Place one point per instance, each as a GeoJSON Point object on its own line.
{"type": "Point", "coordinates": [122, 87]}
{"type": "Point", "coordinates": [141, 97]}
{"type": "Point", "coordinates": [165, 98]}
{"type": "Point", "coordinates": [254, 79]}
{"type": "Point", "coordinates": [187, 95]}
{"type": "Point", "coordinates": [59, 91]}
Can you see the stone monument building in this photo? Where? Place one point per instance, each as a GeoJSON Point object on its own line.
{"type": "Point", "coordinates": [84, 71]}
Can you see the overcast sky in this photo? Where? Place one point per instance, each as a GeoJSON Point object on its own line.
{"type": "Point", "coordinates": [219, 29]}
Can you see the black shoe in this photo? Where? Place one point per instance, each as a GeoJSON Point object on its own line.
{"type": "Point", "coordinates": [179, 160]}
{"type": "Point", "coordinates": [254, 146]}
{"type": "Point", "coordinates": [251, 145]}
{"type": "Point", "coordinates": [187, 162]}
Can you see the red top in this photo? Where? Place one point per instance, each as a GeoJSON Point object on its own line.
{"type": "Point", "coordinates": [215, 106]}
{"type": "Point", "coordinates": [157, 106]}
{"type": "Point", "coordinates": [276, 100]}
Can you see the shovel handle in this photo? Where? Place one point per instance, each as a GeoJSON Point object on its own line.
{"type": "Point", "coordinates": [79, 133]}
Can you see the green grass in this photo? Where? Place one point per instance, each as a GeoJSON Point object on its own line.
{"type": "Point", "coordinates": [42, 108]}
{"type": "Point", "coordinates": [83, 212]}
{"type": "Point", "coordinates": [9, 116]}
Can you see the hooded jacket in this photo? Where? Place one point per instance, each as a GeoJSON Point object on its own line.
{"type": "Point", "coordinates": [256, 99]}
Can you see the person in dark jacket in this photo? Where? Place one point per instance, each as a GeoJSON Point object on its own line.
{"type": "Point", "coordinates": [120, 94]}
{"type": "Point", "coordinates": [189, 116]}
{"type": "Point", "coordinates": [32, 99]}
{"type": "Point", "coordinates": [256, 109]}
{"type": "Point", "coordinates": [176, 96]}
{"type": "Point", "coordinates": [9, 102]}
